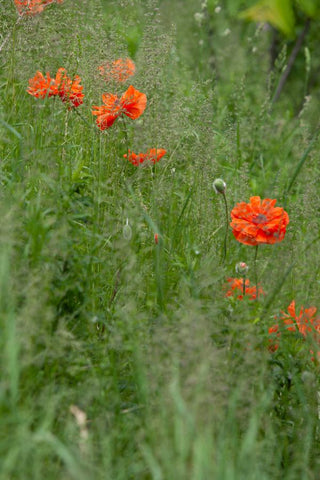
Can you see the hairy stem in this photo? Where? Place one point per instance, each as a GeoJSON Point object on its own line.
{"type": "Point", "coordinates": [224, 252]}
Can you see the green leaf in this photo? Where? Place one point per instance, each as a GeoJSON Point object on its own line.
{"type": "Point", "coordinates": [310, 7]}
{"type": "Point", "coordinates": [278, 13]}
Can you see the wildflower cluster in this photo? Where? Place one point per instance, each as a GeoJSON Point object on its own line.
{"type": "Point", "coordinates": [261, 222]}
{"type": "Point", "coordinates": [254, 223]}
{"type": "Point", "coordinates": [132, 103]}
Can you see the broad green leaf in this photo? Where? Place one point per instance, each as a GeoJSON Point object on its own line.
{"type": "Point", "coordinates": [310, 7]}
{"type": "Point", "coordinates": [278, 13]}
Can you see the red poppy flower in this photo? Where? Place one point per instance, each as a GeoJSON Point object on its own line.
{"type": "Point", "coordinates": [63, 86]}
{"type": "Point", "coordinates": [69, 90]}
{"type": "Point", "coordinates": [119, 70]}
{"type": "Point", "coordinates": [236, 289]}
{"type": "Point", "coordinates": [32, 7]}
{"type": "Point", "coordinates": [259, 221]}
{"type": "Point", "coordinates": [151, 156]}
{"type": "Point", "coordinates": [132, 103]}
{"type": "Point", "coordinates": [41, 87]}
{"type": "Point", "coordinates": [304, 322]}
{"type": "Point", "coordinates": [109, 112]}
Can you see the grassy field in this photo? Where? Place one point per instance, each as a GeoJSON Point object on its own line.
{"type": "Point", "coordinates": [124, 353]}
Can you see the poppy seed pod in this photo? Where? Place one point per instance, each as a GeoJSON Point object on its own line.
{"type": "Point", "coordinates": [219, 186]}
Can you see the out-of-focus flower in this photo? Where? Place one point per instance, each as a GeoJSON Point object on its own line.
{"type": "Point", "coordinates": [304, 322]}
{"type": "Point", "coordinates": [69, 90]}
{"type": "Point", "coordinates": [259, 221]}
{"type": "Point", "coordinates": [235, 289]}
{"type": "Point", "coordinates": [156, 238]}
{"type": "Point", "coordinates": [32, 7]}
{"type": "Point", "coordinates": [151, 156]}
{"type": "Point", "coordinates": [119, 70]}
{"type": "Point", "coordinates": [132, 104]}
{"type": "Point", "coordinates": [41, 86]}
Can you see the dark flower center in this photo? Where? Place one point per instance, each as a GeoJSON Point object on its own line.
{"type": "Point", "coordinates": [260, 218]}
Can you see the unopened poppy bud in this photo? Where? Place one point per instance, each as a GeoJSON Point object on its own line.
{"type": "Point", "coordinates": [219, 186]}
{"type": "Point", "coordinates": [126, 231]}
{"type": "Point", "coordinates": [156, 238]}
{"type": "Point", "coordinates": [242, 268]}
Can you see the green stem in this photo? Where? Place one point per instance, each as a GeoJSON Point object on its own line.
{"type": "Point", "coordinates": [224, 253]}
{"type": "Point", "coordinates": [82, 117]}
{"type": "Point", "coordinates": [255, 270]}
{"type": "Point", "coordinates": [244, 285]}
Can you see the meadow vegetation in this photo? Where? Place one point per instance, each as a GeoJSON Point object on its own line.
{"type": "Point", "coordinates": [122, 357]}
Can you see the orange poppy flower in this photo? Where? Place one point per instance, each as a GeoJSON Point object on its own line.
{"type": "Point", "coordinates": [107, 113]}
{"type": "Point", "coordinates": [69, 90]}
{"type": "Point", "coordinates": [304, 322]}
{"type": "Point", "coordinates": [32, 7]}
{"type": "Point", "coordinates": [119, 70]}
{"type": "Point", "coordinates": [151, 156]}
{"type": "Point", "coordinates": [41, 87]}
{"type": "Point", "coordinates": [132, 103]}
{"type": "Point", "coordinates": [259, 221]}
{"type": "Point", "coordinates": [63, 86]}
{"type": "Point", "coordinates": [236, 286]}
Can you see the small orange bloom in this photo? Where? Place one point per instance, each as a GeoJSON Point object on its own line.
{"type": "Point", "coordinates": [304, 322]}
{"type": "Point", "coordinates": [151, 156]}
{"type": "Point", "coordinates": [259, 221]}
{"type": "Point", "coordinates": [119, 70]}
{"type": "Point", "coordinates": [32, 7]}
{"type": "Point", "coordinates": [236, 286]}
{"type": "Point", "coordinates": [132, 104]}
{"type": "Point", "coordinates": [69, 90]}
{"type": "Point", "coordinates": [40, 86]}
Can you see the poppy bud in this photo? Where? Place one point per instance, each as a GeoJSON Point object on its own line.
{"type": "Point", "coordinates": [156, 238]}
{"type": "Point", "coordinates": [219, 186]}
{"type": "Point", "coordinates": [126, 231]}
{"type": "Point", "coordinates": [242, 268]}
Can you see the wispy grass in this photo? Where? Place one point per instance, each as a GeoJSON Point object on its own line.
{"type": "Point", "coordinates": [175, 379]}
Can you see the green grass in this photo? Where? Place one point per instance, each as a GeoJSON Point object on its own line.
{"type": "Point", "coordinates": [175, 379]}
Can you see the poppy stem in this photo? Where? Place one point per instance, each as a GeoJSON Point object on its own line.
{"type": "Point", "coordinates": [255, 270]}
{"type": "Point", "coordinates": [244, 285]}
{"type": "Point", "coordinates": [82, 117]}
{"type": "Point", "coordinates": [224, 252]}
{"type": "Point", "coordinates": [126, 137]}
